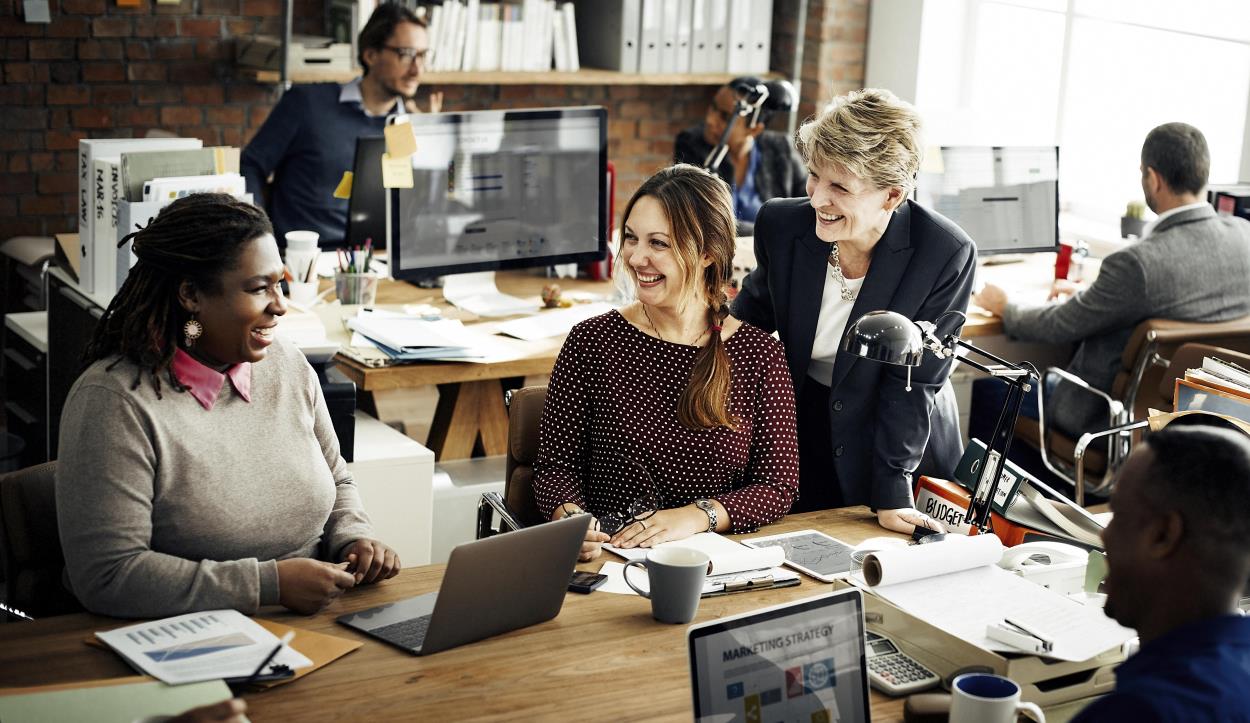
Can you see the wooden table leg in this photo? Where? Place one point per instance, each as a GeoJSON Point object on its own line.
{"type": "Point", "coordinates": [470, 416]}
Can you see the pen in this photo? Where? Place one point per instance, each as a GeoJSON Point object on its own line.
{"type": "Point", "coordinates": [1046, 643]}
{"type": "Point", "coordinates": [282, 642]}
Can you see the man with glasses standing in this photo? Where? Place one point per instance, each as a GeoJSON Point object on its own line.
{"type": "Point", "coordinates": [309, 139]}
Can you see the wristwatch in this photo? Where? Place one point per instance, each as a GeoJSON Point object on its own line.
{"type": "Point", "coordinates": [710, 509]}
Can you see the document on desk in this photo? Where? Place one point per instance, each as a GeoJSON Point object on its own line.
{"type": "Point", "coordinates": [734, 567]}
{"type": "Point", "coordinates": [212, 645]}
{"type": "Point", "coordinates": [963, 602]}
{"type": "Point", "coordinates": [408, 338]}
{"type": "Point", "coordinates": [128, 700]}
{"type": "Point", "coordinates": [546, 324]}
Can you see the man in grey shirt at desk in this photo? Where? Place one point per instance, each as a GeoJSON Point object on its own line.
{"type": "Point", "coordinates": [1190, 265]}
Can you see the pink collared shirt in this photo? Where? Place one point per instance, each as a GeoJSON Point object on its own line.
{"type": "Point", "coordinates": [205, 383]}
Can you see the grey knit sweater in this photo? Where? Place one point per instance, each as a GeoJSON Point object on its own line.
{"type": "Point", "coordinates": [166, 507]}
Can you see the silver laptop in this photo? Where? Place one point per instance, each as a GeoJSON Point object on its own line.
{"type": "Point", "coordinates": [802, 660]}
{"type": "Point", "coordinates": [527, 570]}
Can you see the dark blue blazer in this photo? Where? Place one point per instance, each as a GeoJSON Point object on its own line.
{"type": "Point", "coordinates": [923, 266]}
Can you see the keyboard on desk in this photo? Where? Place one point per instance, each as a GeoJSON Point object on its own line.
{"type": "Point", "coordinates": [405, 633]}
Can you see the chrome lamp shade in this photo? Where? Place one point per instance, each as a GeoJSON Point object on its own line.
{"type": "Point", "coordinates": [885, 336]}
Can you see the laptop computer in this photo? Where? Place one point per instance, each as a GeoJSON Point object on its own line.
{"type": "Point", "coordinates": [491, 586]}
{"type": "Point", "coordinates": [802, 660]}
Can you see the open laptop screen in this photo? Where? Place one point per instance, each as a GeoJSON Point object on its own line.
{"type": "Point", "coordinates": [801, 661]}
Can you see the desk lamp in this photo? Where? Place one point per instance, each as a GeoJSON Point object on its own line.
{"type": "Point", "coordinates": [890, 337]}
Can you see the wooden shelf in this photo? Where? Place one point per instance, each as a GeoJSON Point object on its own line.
{"type": "Point", "coordinates": [588, 76]}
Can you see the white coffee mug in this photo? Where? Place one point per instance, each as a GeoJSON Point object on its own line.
{"type": "Point", "coordinates": [988, 698]}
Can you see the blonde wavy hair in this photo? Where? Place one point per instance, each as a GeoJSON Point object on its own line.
{"type": "Point", "coordinates": [870, 133]}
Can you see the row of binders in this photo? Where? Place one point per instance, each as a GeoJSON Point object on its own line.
{"type": "Point", "coordinates": [532, 35]}
{"type": "Point", "coordinates": [630, 36]}
{"type": "Point", "coordinates": [124, 182]}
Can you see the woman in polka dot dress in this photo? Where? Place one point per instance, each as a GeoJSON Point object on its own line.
{"type": "Point", "coordinates": [670, 404]}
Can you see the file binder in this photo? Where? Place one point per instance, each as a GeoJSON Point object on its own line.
{"type": "Point", "coordinates": [611, 41]}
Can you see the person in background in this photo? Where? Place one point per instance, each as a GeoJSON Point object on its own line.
{"type": "Point", "coordinates": [1190, 265]}
{"type": "Point", "coordinates": [760, 164]}
{"type": "Point", "coordinates": [669, 417]}
{"type": "Point", "coordinates": [309, 139]}
{"type": "Point", "coordinates": [198, 466]}
{"type": "Point", "coordinates": [1178, 557]}
{"type": "Point", "coordinates": [858, 244]}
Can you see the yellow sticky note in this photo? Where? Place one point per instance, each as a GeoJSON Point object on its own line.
{"type": "Point", "coordinates": [400, 140]}
{"type": "Point", "coordinates": [396, 172]}
{"type": "Point", "coordinates": [345, 186]}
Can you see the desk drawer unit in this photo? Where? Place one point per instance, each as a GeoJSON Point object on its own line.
{"type": "Point", "coordinates": [25, 395]}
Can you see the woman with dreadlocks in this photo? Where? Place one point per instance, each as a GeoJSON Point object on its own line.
{"type": "Point", "coordinates": [198, 465]}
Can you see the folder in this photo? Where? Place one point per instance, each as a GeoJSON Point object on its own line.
{"type": "Point", "coordinates": [718, 36]}
{"type": "Point", "coordinates": [611, 40]}
{"type": "Point", "coordinates": [1190, 395]}
{"type": "Point", "coordinates": [700, 37]}
{"type": "Point", "coordinates": [119, 700]}
{"type": "Point", "coordinates": [738, 37]}
{"type": "Point", "coordinates": [651, 37]}
{"type": "Point", "coordinates": [320, 648]}
{"type": "Point", "coordinates": [761, 33]}
{"type": "Point", "coordinates": [670, 19]}
{"type": "Point", "coordinates": [684, 32]}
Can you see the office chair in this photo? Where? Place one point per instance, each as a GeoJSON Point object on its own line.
{"type": "Point", "coordinates": [525, 410]}
{"type": "Point", "coordinates": [31, 544]}
{"type": "Point", "coordinates": [1140, 384]}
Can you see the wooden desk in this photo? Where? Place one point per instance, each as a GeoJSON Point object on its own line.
{"type": "Point", "coordinates": [470, 395]}
{"type": "Point", "coordinates": [470, 408]}
{"type": "Point", "coordinates": [602, 658]}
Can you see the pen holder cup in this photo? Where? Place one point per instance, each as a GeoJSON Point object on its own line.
{"type": "Point", "coordinates": [357, 289]}
{"type": "Point", "coordinates": [675, 582]}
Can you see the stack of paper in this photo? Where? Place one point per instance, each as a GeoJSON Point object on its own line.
{"type": "Point", "coordinates": [217, 644]}
{"type": "Point", "coordinates": [547, 324]}
{"type": "Point", "coordinates": [407, 338]}
{"type": "Point", "coordinates": [955, 585]}
{"type": "Point", "coordinates": [1220, 387]}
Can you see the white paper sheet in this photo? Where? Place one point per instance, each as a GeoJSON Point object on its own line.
{"type": "Point", "coordinates": [964, 603]}
{"type": "Point", "coordinates": [727, 556]}
{"type": "Point", "coordinates": [199, 646]}
{"type": "Point", "coordinates": [547, 324]}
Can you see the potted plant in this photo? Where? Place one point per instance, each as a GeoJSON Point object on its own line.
{"type": "Point", "coordinates": [1133, 220]}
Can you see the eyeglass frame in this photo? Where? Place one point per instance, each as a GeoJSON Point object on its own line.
{"type": "Point", "coordinates": [409, 56]}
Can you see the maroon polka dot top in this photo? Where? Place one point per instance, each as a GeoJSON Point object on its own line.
{"type": "Point", "coordinates": [610, 423]}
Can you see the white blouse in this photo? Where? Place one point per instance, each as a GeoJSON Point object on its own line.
{"type": "Point", "coordinates": [830, 326]}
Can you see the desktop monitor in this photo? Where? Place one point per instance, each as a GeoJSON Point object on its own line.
{"type": "Point", "coordinates": [498, 190]}
{"type": "Point", "coordinates": [366, 208]}
{"type": "Point", "coordinates": [1005, 197]}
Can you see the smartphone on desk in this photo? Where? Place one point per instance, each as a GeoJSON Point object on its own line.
{"type": "Point", "coordinates": [586, 582]}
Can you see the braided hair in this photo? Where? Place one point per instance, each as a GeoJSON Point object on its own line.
{"type": "Point", "coordinates": [699, 207]}
{"type": "Point", "coordinates": [197, 239]}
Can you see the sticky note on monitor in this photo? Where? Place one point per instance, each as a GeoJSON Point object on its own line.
{"type": "Point", "coordinates": [401, 142]}
{"type": "Point", "coordinates": [344, 189]}
{"type": "Point", "coordinates": [396, 172]}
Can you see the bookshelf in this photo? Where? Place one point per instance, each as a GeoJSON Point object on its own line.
{"type": "Point", "coordinates": [585, 76]}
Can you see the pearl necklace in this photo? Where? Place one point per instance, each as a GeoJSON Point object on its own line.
{"type": "Point", "coordinates": [836, 270]}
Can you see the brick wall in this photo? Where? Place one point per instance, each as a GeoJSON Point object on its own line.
{"type": "Point", "coordinates": [102, 71]}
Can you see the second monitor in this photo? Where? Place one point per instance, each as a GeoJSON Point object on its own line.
{"type": "Point", "coordinates": [1005, 197]}
{"type": "Point", "coordinates": [501, 190]}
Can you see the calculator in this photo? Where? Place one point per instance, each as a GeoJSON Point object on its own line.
{"type": "Point", "coordinates": [894, 673]}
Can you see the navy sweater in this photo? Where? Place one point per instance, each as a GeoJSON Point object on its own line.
{"type": "Point", "coordinates": [307, 143]}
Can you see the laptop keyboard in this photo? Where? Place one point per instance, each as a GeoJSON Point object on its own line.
{"type": "Point", "coordinates": [406, 633]}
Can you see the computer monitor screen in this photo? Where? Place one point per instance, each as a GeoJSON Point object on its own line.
{"type": "Point", "coordinates": [501, 189]}
{"type": "Point", "coordinates": [1005, 197]}
{"type": "Point", "coordinates": [366, 210]}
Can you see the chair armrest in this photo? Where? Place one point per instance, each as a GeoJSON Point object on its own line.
{"type": "Point", "coordinates": [1079, 457]}
{"type": "Point", "coordinates": [1115, 413]}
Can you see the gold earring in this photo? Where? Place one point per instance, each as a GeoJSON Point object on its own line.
{"type": "Point", "coordinates": [192, 330]}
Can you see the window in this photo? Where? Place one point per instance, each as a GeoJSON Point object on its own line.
{"type": "Point", "coordinates": [1093, 76]}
